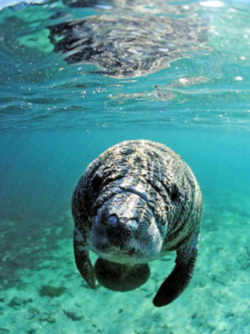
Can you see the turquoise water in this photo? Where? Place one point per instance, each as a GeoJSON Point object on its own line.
{"type": "Point", "coordinates": [56, 117]}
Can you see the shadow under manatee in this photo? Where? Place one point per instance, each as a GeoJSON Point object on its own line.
{"type": "Point", "coordinates": [129, 45]}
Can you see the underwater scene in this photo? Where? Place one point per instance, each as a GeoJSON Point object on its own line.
{"type": "Point", "coordinates": [77, 77]}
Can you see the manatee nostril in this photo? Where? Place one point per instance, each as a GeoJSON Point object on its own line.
{"type": "Point", "coordinates": [112, 220]}
{"type": "Point", "coordinates": [117, 233]}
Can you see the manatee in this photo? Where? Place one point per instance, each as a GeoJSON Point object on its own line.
{"type": "Point", "coordinates": [128, 45]}
{"type": "Point", "coordinates": [134, 203]}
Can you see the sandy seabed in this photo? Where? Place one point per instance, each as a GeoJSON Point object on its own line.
{"type": "Point", "coordinates": [42, 292]}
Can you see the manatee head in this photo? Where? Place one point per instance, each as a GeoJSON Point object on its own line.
{"type": "Point", "coordinates": [124, 229]}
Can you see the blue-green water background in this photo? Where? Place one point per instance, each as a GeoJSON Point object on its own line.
{"type": "Point", "coordinates": [55, 118]}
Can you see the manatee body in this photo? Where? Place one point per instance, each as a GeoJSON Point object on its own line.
{"type": "Point", "coordinates": [135, 202]}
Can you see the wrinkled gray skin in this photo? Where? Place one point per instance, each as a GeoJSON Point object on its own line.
{"type": "Point", "coordinates": [135, 202]}
{"type": "Point", "coordinates": [131, 45]}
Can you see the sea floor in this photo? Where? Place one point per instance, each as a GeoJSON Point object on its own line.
{"type": "Point", "coordinates": [42, 292]}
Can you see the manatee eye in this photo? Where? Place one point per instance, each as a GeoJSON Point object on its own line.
{"type": "Point", "coordinates": [97, 182]}
{"type": "Point", "coordinates": [174, 195]}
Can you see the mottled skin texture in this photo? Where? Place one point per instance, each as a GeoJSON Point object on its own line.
{"type": "Point", "coordinates": [137, 201]}
{"type": "Point", "coordinates": [125, 46]}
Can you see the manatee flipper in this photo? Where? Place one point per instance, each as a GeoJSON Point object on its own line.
{"type": "Point", "coordinates": [83, 262]}
{"type": "Point", "coordinates": [179, 278]}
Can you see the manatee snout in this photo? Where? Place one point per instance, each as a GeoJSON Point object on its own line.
{"type": "Point", "coordinates": [110, 231]}
{"type": "Point", "coordinates": [124, 230]}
